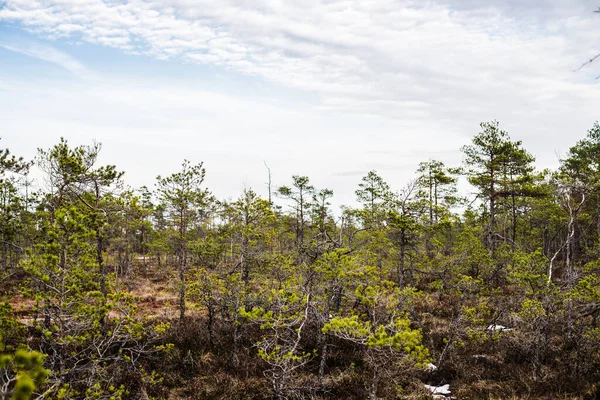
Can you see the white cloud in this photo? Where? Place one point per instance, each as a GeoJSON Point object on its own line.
{"type": "Point", "coordinates": [48, 54]}
{"type": "Point", "coordinates": [413, 77]}
{"type": "Point", "coordinates": [355, 55]}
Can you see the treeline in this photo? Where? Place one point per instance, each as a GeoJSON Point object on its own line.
{"type": "Point", "coordinates": [169, 292]}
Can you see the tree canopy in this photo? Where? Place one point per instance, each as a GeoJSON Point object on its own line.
{"type": "Point", "coordinates": [113, 292]}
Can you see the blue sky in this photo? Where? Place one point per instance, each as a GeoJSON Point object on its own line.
{"type": "Point", "coordinates": [328, 89]}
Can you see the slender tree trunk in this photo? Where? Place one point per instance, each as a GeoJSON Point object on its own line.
{"type": "Point", "coordinates": [514, 220]}
{"type": "Point", "coordinates": [570, 274]}
{"type": "Point", "coordinates": [244, 261]}
{"type": "Point", "coordinates": [182, 262]}
{"type": "Point", "coordinates": [373, 385]}
{"type": "Point", "coordinates": [430, 198]}
{"type": "Point", "coordinates": [127, 260]}
{"type": "Point", "coordinates": [492, 225]}
{"type": "Point", "coordinates": [400, 272]}
{"type": "Point", "coordinates": [323, 339]}
{"type": "Point", "coordinates": [435, 202]}
{"type": "Point", "coordinates": [324, 354]}
{"type": "Point", "coordinates": [102, 267]}
{"type": "Point", "coordinates": [211, 322]}
{"type": "Point", "coordinates": [402, 259]}
{"type": "Point", "coordinates": [144, 250]}
{"type": "Point", "coordinates": [301, 230]}
{"type": "Point", "coordinates": [235, 359]}
{"type": "Point", "coordinates": [182, 286]}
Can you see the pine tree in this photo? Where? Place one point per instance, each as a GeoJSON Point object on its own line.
{"type": "Point", "coordinates": [185, 201]}
{"type": "Point", "coordinates": [498, 168]}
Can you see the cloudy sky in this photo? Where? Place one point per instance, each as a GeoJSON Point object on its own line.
{"type": "Point", "coordinates": [325, 88]}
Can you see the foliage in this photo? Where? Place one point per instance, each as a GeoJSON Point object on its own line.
{"type": "Point", "coordinates": [21, 373]}
{"type": "Point", "coordinates": [109, 292]}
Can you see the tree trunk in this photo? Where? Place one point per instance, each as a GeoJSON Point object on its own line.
{"type": "Point", "coordinates": [102, 267]}
{"type": "Point", "coordinates": [514, 221]}
{"type": "Point", "coordinates": [244, 261]}
{"type": "Point", "coordinates": [323, 339]}
{"type": "Point", "coordinates": [435, 202]}
{"type": "Point", "coordinates": [430, 198]}
{"type": "Point", "coordinates": [373, 386]}
{"type": "Point", "coordinates": [402, 258]}
{"type": "Point", "coordinates": [181, 287]}
{"type": "Point", "coordinates": [492, 224]}
{"type": "Point", "coordinates": [211, 323]}
{"type": "Point", "coordinates": [324, 354]}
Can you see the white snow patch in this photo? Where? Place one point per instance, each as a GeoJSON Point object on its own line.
{"type": "Point", "coordinates": [500, 328]}
{"type": "Point", "coordinates": [439, 390]}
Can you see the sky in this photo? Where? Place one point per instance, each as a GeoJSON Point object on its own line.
{"type": "Point", "coordinates": [329, 89]}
